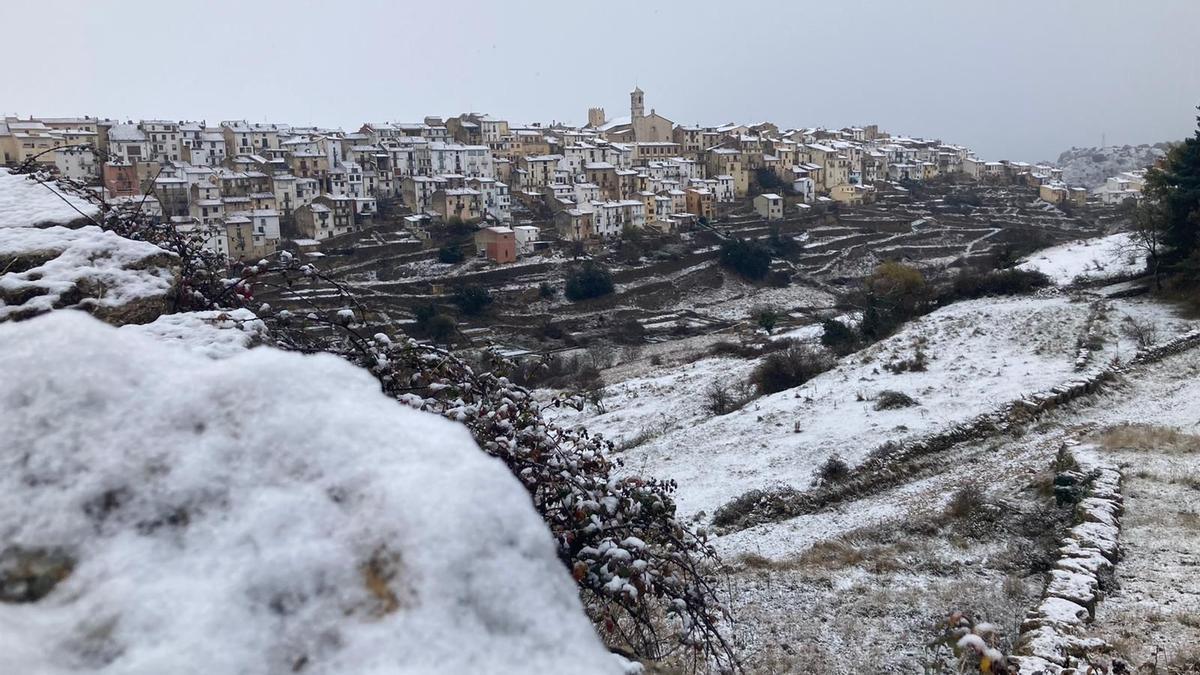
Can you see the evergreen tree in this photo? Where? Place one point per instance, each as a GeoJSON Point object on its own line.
{"type": "Point", "coordinates": [1175, 186]}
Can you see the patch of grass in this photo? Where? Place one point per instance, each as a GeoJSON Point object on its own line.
{"type": "Point", "coordinates": [1148, 437]}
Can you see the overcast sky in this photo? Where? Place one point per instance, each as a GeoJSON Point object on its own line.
{"type": "Point", "coordinates": [1019, 79]}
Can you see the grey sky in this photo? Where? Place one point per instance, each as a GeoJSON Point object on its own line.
{"type": "Point", "coordinates": [1019, 79]}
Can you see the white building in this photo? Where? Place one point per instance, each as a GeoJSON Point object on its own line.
{"type": "Point", "coordinates": [128, 143]}
{"type": "Point", "coordinates": [769, 206]}
{"type": "Point", "coordinates": [525, 236]}
{"type": "Point", "coordinates": [610, 218]}
{"type": "Point", "coordinates": [165, 140]}
{"type": "Point", "coordinates": [1123, 186]}
{"type": "Point", "coordinates": [78, 164]}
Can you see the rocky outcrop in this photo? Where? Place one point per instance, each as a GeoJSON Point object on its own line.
{"type": "Point", "coordinates": [118, 280]}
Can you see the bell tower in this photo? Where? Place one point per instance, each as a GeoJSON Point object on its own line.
{"type": "Point", "coordinates": [637, 103]}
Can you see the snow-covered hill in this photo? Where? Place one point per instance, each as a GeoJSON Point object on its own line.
{"type": "Point", "coordinates": [1090, 166]}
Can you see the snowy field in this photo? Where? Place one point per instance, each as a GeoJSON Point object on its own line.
{"type": "Point", "coordinates": [1087, 259]}
{"type": "Point", "coordinates": [981, 354]}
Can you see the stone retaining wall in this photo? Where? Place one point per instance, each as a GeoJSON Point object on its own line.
{"type": "Point", "coordinates": [1053, 634]}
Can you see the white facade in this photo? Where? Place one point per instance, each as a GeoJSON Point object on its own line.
{"type": "Point", "coordinates": [769, 206]}
{"type": "Point", "coordinates": [78, 164]}
{"type": "Point", "coordinates": [525, 236]}
{"type": "Point", "coordinates": [609, 218]}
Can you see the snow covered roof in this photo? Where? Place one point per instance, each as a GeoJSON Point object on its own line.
{"type": "Point", "coordinates": [126, 133]}
{"type": "Point", "coordinates": [616, 122]}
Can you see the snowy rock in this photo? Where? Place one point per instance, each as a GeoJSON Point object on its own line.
{"type": "Point", "coordinates": [1032, 665]}
{"type": "Point", "coordinates": [214, 333]}
{"type": "Point", "coordinates": [116, 279]}
{"type": "Point", "coordinates": [1073, 586]}
{"type": "Point", "coordinates": [26, 203]}
{"type": "Point", "coordinates": [1060, 611]}
{"type": "Point", "coordinates": [231, 516]}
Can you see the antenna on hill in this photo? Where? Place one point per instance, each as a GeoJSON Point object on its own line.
{"type": "Point", "coordinates": [1103, 140]}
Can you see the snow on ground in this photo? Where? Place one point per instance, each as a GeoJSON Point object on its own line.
{"type": "Point", "coordinates": [981, 354]}
{"type": "Point", "coordinates": [26, 203]}
{"type": "Point", "coordinates": [1097, 258]}
{"type": "Point", "coordinates": [230, 515]}
{"type": "Point", "coordinates": [1153, 612]}
{"type": "Point", "coordinates": [86, 268]}
{"type": "Point", "coordinates": [733, 300]}
{"type": "Point", "coordinates": [214, 333]}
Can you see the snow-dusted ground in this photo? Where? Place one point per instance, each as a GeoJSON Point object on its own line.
{"type": "Point", "coordinates": [231, 516]}
{"type": "Point", "coordinates": [1154, 612]}
{"type": "Point", "coordinates": [1090, 259]}
{"type": "Point", "coordinates": [878, 602]}
{"type": "Point", "coordinates": [839, 590]}
{"type": "Point", "coordinates": [981, 354]}
{"type": "Point", "coordinates": [25, 203]}
{"type": "Point", "coordinates": [213, 333]}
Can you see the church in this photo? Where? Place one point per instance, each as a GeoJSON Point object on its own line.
{"type": "Point", "coordinates": [638, 127]}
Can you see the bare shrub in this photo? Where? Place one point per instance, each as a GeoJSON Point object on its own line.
{"type": "Point", "coordinates": [790, 368]}
{"type": "Point", "coordinates": [917, 363]}
{"type": "Point", "coordinates": [750, 350]}
{"type": "Point", "coordinates": [1144, 333]}
{"type": "Point", "coordinates": [971, 512]}
{"type": "Point", "coordinates": [833, 470]}
{"type": "Point", "coordinates": [721, 398]}
{"type": "Point", "coordinates": [645, 434]}
{"type": "Point", "coordinates": [893, 400]}
{"type": "Point", "coordinates": [601, 355]}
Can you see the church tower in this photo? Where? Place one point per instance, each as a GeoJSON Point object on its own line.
{"type": "Point", "coordinates": [637, 105]}
{"type": "Point", "coordinates": [595, 117]}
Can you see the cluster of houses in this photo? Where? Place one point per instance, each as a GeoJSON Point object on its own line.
{"type": "Point", "coordinates": [1122, 187]}
{"type": "Point", "coordinates": [248, 185]}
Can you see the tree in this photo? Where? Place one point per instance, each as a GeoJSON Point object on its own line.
{"type": "Point", "coordinates": [442, 328]}
{"type": "Point", "coordinates": [898, 287]}
{"type": "Point", "coordinates": [838, 337]}
{"type": "Point", "coordinates": [472, 299]}
{"type": "Point", "coordinates": [766, 317]}
{"type": "Point", "coordinates": [450, 254]}
{"type": "Point", "coordinates": [766, 179]}
{"type": "Point", "coordinates": [1175, 187]}
{"type": "Point", "coordinates": [748, 258]}
{"type": "Point", "coordinates": [1146, 238]}
{"type": "Point", "coordinates": [589, 280]}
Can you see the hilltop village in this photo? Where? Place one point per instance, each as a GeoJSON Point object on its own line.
{"type": "Point", "coordinates": [256, 187]}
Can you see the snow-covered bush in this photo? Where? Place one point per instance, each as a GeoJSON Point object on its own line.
{"type": "Point", "coordinates": [166, 512]}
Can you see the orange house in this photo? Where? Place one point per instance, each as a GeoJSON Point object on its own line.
{"type": "Point", "coordinates": [499, 244]}
{"type": "Point", "coordinates": [120, 179]}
